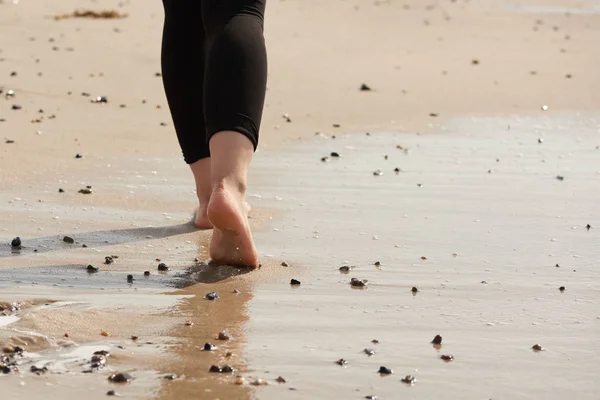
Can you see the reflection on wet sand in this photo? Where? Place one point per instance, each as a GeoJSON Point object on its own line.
{"type": "Point", "coordinates": [208, 318]}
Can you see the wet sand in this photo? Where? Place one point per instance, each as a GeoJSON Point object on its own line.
{"type": "Point", "coordinates": [477, 195]}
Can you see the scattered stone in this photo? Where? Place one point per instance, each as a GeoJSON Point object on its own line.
{"type": "Point", "coordinates": [414, 289]}
{"type": "Point", "coordinates": [259, 382]}
{"type": "Point", "coordinates": [447, 357]}
{"type": "Point", "coordinates": [365, 88]}
{"type": "Point", "coordinates": [111, 393]}
{"type": "Point", "coordinates": [6, 369]}
{"type": "Point", "coordinates": [226, 369]}
{"type": "Point", "coordinates": [68, 239]}
{"type": "Point", "coordinates": [335, 154]}
{"type": "Point", "coordinates": [229, 354]}
{"type": "Point", "coordinates": [437, 339]}
{"type": "Point", "coordinates": [423, 258]}
{"type": "Point", "coordinates": [295, 282]}
{"type": "Point", "coordinates": [375, 341]}
{"type": "Point", "coordinates": [223, 335]}
{"type": "Point", "coordinates": [122, 377]}
{"type": "Point", "coordinates": [38, 371]}
{"type": "Point", "coordinates": [61, 190]}
{"type": "Point", "coordinates": [280, 379]}
{"type": "Point", "coordinates": [287, 118]}
{"type": "Point", "coordinates": [104, 353]}
{"type": "Point", "coordinates": [324, 159]}
{"type": "Point", "coordinates": [409, 379]}
{"type": "Point", "coordinates": [434, 115]}
{"type": "Point", "coordinates": [16, 242]}
{"type": "Point", "coordinates": [544, 108]}
{"type": "Point", "coordinates": [562, 289]}
{"type": "Point", "coordinates": [537, 347]}
{"type": "Point", "coordinates": [134, 338]}
{"type": "Point", "coordinates": [170, 377]}
{"type": "Point", "coordinates": [189, 323]}
{"type": "Point", "coordinates": [211, 296]}
{"type": "Point", "coordinates": [341, 362]}
{"type": "Point", "coordinates": [378, 172]}
{"type": "Point", "coordinates": [354, 282]}
{"type": "Point", "coordinates": [346, 268]}
{"type": "Point", "coordinates": [540, 140]}
{"type": "Point", "coordinates": [370, 397]}
{"type": "Point", "coordinates": [285, 264]}
{"type": "Point", "coordinates": [385, 371]}
{"type": "Point", "coordinates": [560, 177]}
{"type": "Point", "coordinates": [209, 347]}
{"type": "Point", "coordinates": [163, 267]}
{"type": "Point", "coordinates": [336, 125]}
{"type": "Point", "coordinates": [78, 155]}
{"type": "Point", "coordinates": [369, 352]}
{"type": "Point", "coordinates": [557, 266]}
{"type": "Point", "coordinates": [474, 62]}
{"type": "Point", "coordinates": [130, 278]}
{"type": "Point", "coordinates": [397, 170]}
{"type": "Point", "coordinates": [100, 99]}
{"type": "Point", "coordinates": [105, 333]}
{"type": "Point", "coordinates": [98, 361]}
{"type": "Point", "coordinates": [146, 273]}
{"type": "Point", "coordinates": [588, 227]}
{"type": "Point", "coordinates": [377, 264]}
{"type": "Point", "coordinates": [235, 291]}
{"type": "Point", "coordinates": [108, 260]}
{"type": "Point", "coordinates": [240, 380]}
{"type": "Point", "coordinates": [91, 269]}
{"type": "Point", "coordinates": [85, 191]}
{"type": "Point", "coordinates": [9, 141]}
{"type": "Point", "coordinates": [16, 107]}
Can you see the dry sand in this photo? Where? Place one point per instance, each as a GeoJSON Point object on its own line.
{"type": "Point", "coordinates": [482, 184]}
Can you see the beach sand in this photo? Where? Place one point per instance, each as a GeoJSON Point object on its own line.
{"type": "Point", "coordinates": [490, 110]}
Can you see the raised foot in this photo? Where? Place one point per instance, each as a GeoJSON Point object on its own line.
{"type": "Point", "coordinates": [231, 242]}
{"type": "Point", "coordinates": [201, 220]}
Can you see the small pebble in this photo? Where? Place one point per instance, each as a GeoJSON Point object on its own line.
{"type": "Point", "coordinates": [537, 347]}
{"type": "Point", "coordinates": [227, 369]}
{"type": "Point", "coordinates": [16, 107]}
{"type": "Point", "coordinates": [105, 334]}
{"type": "Point", "coordinates": [334, 154]}
{"type": "Point", "coordinates": [211, 296]}
{"type": "Point", "coordinates": [285, 264]}
{"type": "Point", "coordinates": [163, 267]}
{"type": "Point", "coordinates": [397, 170]}
{"type": "Point", "coordinates": [369, 352]}
{"type": "Point", "coordinates": [447, 357]}
{"type": "Point", "coordinates": [342, 362]}
{"type": "Point", "coordinates": [365, 88]}
{"type": "Point", "coordinates": [16, 242]}
{"type": "Point", "coordinates": [91, 269]}
{"type": "Point", "coordinates": [295, 282]}
{"type": "Point", "coordinates": [385, 371]}
{"type": "Point", "coordinates": [560, 177]}
{"type": "Point", "coordinates": [378, 172]}
{"type": "Point", "coordinates": [61, 190]}
{"type": "Point", "coordinates": [134, 338]}
{"type": "Point", "coordinates": [129, 278]}
{"type": "Point", "coordinates": [414, 289]}
{"type": "Point", "coordinates": [68, 239]}
{"type": "Point", "coordinates": [111, 393]}
{"type": "Point", "coordinates": [108, 260]}
{"type": "Point", "coordinates": [345, 269]}
{"type": "Point", "coordinates": [240, 380]}
{"type": "Point", "coordinates": [146, 273]}
{"type": "Point", "coordinates": [280, 379]}
{"type": "Point", "coordinates": [78, 155]}
{"type": "Point", "coordinates": [189, 323]}
{"type": "Point", "coordinates": [223, 336]}
{"type": "Point", "coordinates": [437, 339]}
{"type": "Point", "coordinates": [377, 264]}
{"type": "Point", "coordinates": [375, 341]}
{"type": "Point", "coordinates": [324, 159]}
{"type": "Point", "coordinates": [562, 289]}
{"type": "Point", "coordinates": [371, 397]}
{"type": "Point", "coordinates": [260, 382]}
{"type": "Point", "coordinates": [85, 191]}
{"type": "Point", "coordinates": [588, 227]}
{"type": "Point", "coordinates": [122, 377]}
{"type": "Point", "coordinates": [354, 282]}
{"type": "Point", "coordinates": [409, 379]}
{"type": "Point", "coordinates": [209, 347]}
{"type": "Point", "coordinates": [170, 377]}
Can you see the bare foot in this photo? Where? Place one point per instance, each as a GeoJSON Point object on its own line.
{"type": "Point", "coordinates": [201, 219]}
{"type": "Point", "coordinates": [231, 242]}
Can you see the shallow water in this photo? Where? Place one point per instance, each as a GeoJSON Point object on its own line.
{"type": "Point", "coordinates": [489, 285]}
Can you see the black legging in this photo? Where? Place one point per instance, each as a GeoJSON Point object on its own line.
{"type": "Point", "coordinates": [214, 67]}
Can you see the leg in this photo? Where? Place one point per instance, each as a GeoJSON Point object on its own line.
{"type": "Point", "coordinates": [183, 78]}
{"type": "Point", "coordinates": [235, 84]}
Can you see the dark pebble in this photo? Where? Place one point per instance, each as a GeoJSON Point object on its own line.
{"type": "Point", "coordinates": [285, 264]}
{"type": "Point", "coordinates": [370, 397]}
{"type": "Point", "coordinates": [588, 227]}
{"type": "Point", "coordinates": [295, 282]}
{"type": "Point", "coordinates": [100, 99]}
{"type": "Point", "coordinates": [336, 125]}
{"type": "Point", "coordinates": [224, 336]}
{"type": "Point", "coordinates": [365, 88]}
{"type": "Point", "coordinates": [345, 269]}
{"type": "Point", "coordinates": [341, 361]}
{"type": "Point", "coordinates": [537, 347]}
{"type": "Point", "coordinates": [437, 339]}
{"type": "Point", "coordinates": [385, 371]}
{"type": "Point", "coordinates": [78, 155]}
{"type": "Point", "coordinates": [16, 107]}
{"type": "Point", "coordinates": [9, 141]}
{"type": "Point", "coordinates": [134, 338]}
{"type": "Point", "coordinates": [91, 268]}
{"type": "Point", "coordinates": [369, 352]}
{"type": "Point", "coordinates": [557, 266]}
{"type": "Point", "coordinates": [38, 371]}
{"type": "Point", "coordinates": [562, 288]}
{"type": "Point", "coordinates": [104, 353]}
{"type": "Point", "coordinates": [281, 379]}
{"type": "Point", "coordinates": [68, 239]}
{"type": "Point", "coordinates": [108, 260]}
{"type": "Point", "coordinates": [170, 377]}
{"type": "Point", "coordinates": [111, 393]}
{"type": "Point", "coordinates": [211, 296]}
{"type": "Point", "coordinates": [409, 379]}
{"type": "Point", "coordinates": [214, 368]}
{"type": "Point", "coordinates": [209, 347]}
{"type": "Point", "coordinates": [334, 154]}
{"type": "Point", "coordinates": [396, 170]}
{"type": "Point", "coordinates": [358, 283]}
{"type": "Point", "coordinates": [146, 273]}
{"type": "Point", "coordinates": [433, 115]}
{"type": "Point", "coordinates": [414, 289]}
{"type": "Point", "coordinates": [324, 159]}
{"type": "Point", "coordinates": [85, 191]}
{"type": "Point", "coordinates": [6, 370]}
{"type": "Point", "coordinates": [122, 377]}
{"type": "Point", "coordinates": [377, 264]}
{"type": "Point", "coordinates": [227, 369]}
{"type": "Point", "coordinates": [560, 177]}
{"type": "Point", "coordinates": [16, 242]}
{"type": "Point", "coordinates": [129, 278]}
{"type": "Point", "coordinates": [84, 245]}
{"type": "Point", "coordinates": [61, 190]}
{"type": "Point", "coordinates": [163, 267]}
{"type": "Point", "coordinates": [447, 357]}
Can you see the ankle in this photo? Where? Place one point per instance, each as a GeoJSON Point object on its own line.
{"type": "Point", "coordinates": [230, 185]}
